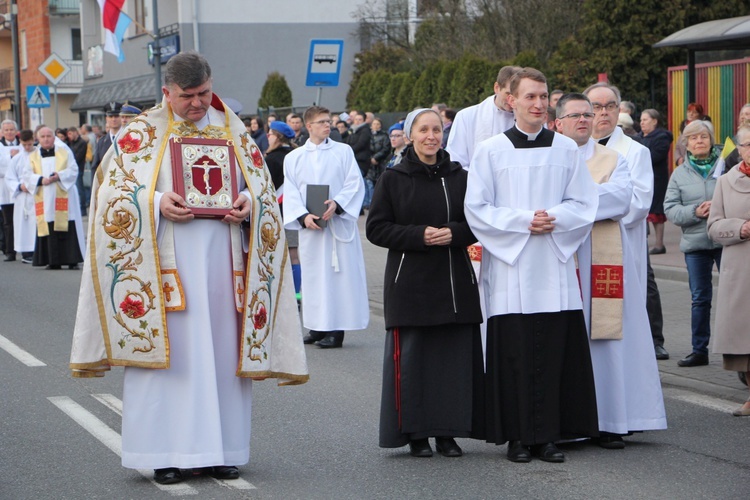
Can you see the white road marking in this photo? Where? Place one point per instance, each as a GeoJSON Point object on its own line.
{"type": "Point", "coordinates": [709, 402]}
{"type": "Point", "coordinates": [238, 484]}
{"type": "Point", "coordinates": [111, 440]}
{"type": "Point", "coordinates": [110, 402]}
{"type": "Point", "coordinates": [18, 353]}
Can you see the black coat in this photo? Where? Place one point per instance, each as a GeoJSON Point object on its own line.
{"type": "Point", "coordinates": [424, 285]}
{"type": "Point", "coordinates": [659, 143]}
{"type": "Point", "coordinates": [275, 164]}
{"type": "Point", "coordinates": [79, 148]}
{"type": "Point", "coordinates": [359, 141]}
{"type": "Point", "coordinates": [101, 148]}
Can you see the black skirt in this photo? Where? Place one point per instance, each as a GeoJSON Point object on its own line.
{"type": "Point", "coordinates": [60, 248]}
{"type": "Point", "coordinates": [539, 381]}
{"type": "Point", "coordinates": [428, 374]}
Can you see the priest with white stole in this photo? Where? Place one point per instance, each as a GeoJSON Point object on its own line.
{"type": "Point", "coordinates": [9, 148]}
{"type": "Point", "coordinates": [531, 202]}
{"type": "Point", "coordinates": [53, 171]}
{"type": "Point", "coordinates": [173, 289]}
{"type": "Point", "coordinates": [24, 218]}
{"type": "Point", "coordinates": [628, 389]}
{"type": "Point", "coordinates": [334, 288]}
{"type": "Point", "coordinates": [605, 99]}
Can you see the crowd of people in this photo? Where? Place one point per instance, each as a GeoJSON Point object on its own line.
{"type": "Point", "coordinates": [519, 299]}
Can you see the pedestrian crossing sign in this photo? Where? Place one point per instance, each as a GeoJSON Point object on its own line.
{"type": "Point", "coordinates": [37, 96]}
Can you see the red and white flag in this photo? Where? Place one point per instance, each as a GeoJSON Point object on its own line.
{"type": "Point", "coordinates": [115, 23]}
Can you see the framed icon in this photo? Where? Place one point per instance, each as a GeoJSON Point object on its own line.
{"type": "Point", "coordinates": [204, 173]}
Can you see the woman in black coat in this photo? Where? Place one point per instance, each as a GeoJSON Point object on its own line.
{"type": "Point", "coordinates": [431, 301]}
{"type": "Point", "coordinates": [658, 140]}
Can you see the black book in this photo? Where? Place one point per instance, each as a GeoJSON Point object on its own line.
{"type": "Point", "coordinates": [317, 194]}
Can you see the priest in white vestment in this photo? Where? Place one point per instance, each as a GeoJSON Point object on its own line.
{"type": "Point", "coordinates": [24, 218]}
{"type": "Point", "coordinates": [194, 308]}
{"type": "Point", "coordinates": [334, 285]}
{"type": "Point", "coordinates": [52, 170]}
{"type": "Point", "coordinates": [628, 389]}
{"type": "Point", "coordinates": [531, 203]}
{"type": "Point", "coordinates": [606, 98]}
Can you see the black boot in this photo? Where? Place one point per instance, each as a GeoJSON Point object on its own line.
{"type": "Point", "coordinates": [332, 340]}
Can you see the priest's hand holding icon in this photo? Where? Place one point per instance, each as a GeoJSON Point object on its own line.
{"type": "Point", "coordinates": [542, 223]}
{"type": "Point", "coordinates": [173, 207]}
{"type": "Point", "coordinates": [241, 209]}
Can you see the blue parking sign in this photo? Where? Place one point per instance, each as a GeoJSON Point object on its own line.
{"type": "Point", "coordinates": [324, 63]}
{"type": "Point", "coordinates": [37, 96]}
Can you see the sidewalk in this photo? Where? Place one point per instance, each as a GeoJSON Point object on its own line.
{"type": "Point", "coordinates": [671, 276]}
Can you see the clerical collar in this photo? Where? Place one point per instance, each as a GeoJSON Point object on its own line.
{"type": "Point", "coordinates": [604, 140]}
{"type": "Point", "coordinates": [47, 153]}
{"type": "Point", "coordinates": [530, 137]}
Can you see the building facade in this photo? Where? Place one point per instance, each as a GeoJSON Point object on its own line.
{"type": "Point", "coordinates": [44, 27]}
{"type": "Point", "coordinates": [243, 41]}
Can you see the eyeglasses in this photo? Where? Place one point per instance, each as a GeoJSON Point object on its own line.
{"type": "Point", "coordinates": [321, 122]}
{"type": "Point", "coordinates": [395, 136]}
{"type": "Point", "coordinates": [610, 106]}
{"type": "Point", "coordinates": [577, 116]}
{"type": "Point", "coordinates": [744, 145]}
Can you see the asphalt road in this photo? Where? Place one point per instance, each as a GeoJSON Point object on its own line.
{"type": "Point", "coordinates": [59, 436]}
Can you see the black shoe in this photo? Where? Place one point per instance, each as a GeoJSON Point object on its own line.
{"type": "Point", "coordinates": [11, 257]}
{"type": "Point", "coordinates": [420, 448]}
{"type": "Point", "coordinates": [661, 353]}
{"type": "Point", "coordinates": [225, 472]}
{"type": "Point", "coordinates": [313, 337]}
{"type": "Point", "coordinates": [73, 267]}
{"type": "Point", "coordinates": [171, 475]}
{"type": "Point", "coordinates": [611, 442]}
{"type": "Point", "coordinates": [694, 359]}
{"type": "Point", "coordinates": [330, 342]}
{"type": "Point", "coordinates": [448, 447]}
{"type": "Point", "coordinates": [548, 453]}
{"type": "Point", "coordinates": [518, 453]}
{"type": "Point", "coordinates": [54, 268]}
{"type": "Point", "coordinates": [658, 251]}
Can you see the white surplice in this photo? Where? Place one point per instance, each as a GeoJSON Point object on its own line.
{"type": "Point", "coordinates": [67, 182]}
{"type": "Point", "coordinates": [638, 158]}
{"type": "Point", "coordinates": [628, 388]}
{"type": "Point", "coordinates": [207, 407]}
{"type": "Point", "coordinates": [521, 272]}
{"type": "Point", "coordinates": [473, 125]}
{"type": "Point", "coordinates": [334, 286]}
{"type": "Point", "coordinates": [24, 216]}
{"type": "Point", "coordinates": [5, 161]}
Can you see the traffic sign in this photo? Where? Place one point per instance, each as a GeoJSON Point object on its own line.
{"type": "Point", "coordinates": [37, 96]}
{"type": "Point", "coordinates": [324, 63]}
{"type": "Point", "coordinates": [54, 68]}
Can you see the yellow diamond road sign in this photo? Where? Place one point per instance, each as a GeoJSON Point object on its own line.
{"type": "Point", "coordinates": [54, 68]}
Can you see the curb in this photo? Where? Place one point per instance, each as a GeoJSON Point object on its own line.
{"type": "Point", "coordinates": [673, 273]}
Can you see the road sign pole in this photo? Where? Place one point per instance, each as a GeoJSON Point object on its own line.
{"type": "Point", "coordinates": [57, 125]}
{"type": "Point", "coordinates": [320, 92]}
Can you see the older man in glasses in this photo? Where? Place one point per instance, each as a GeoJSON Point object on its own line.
{"type": "Point", "coordinates": [605, 100]}
{"type": "Point", "coordinates": [628, 391]}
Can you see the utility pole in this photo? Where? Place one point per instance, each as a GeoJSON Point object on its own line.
{"type": "Point", "coordinates": [16, 61]}
{"type": "Point", "coordinates": [157, 52]}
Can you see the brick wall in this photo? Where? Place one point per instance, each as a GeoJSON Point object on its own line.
{"type": "Point", "coordinates": [33, 17]}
